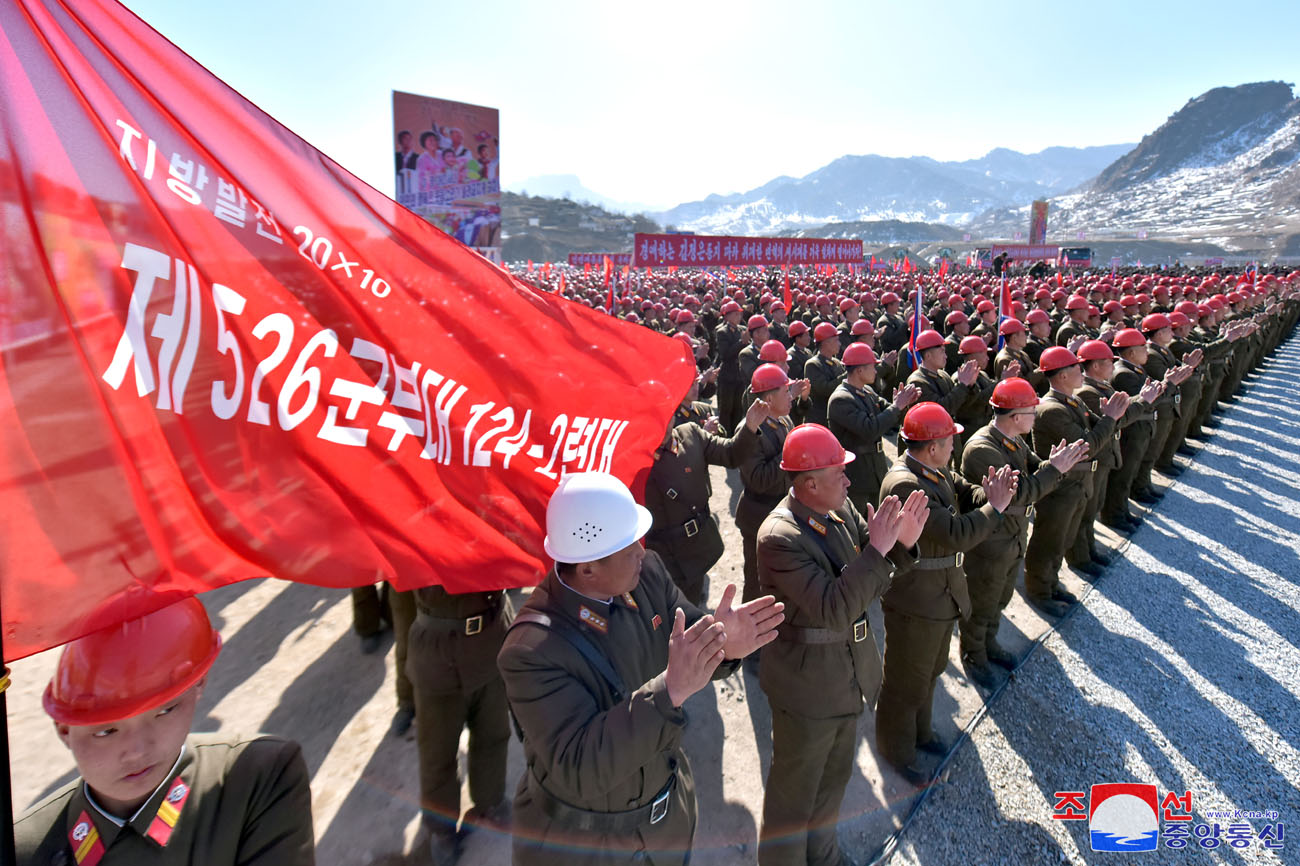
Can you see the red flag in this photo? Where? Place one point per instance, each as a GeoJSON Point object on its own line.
{"type": "Point", "coordinates": [546, 269]}
{"type": "Point", "coordinates": [586, 267]}
{"type": "Point", "coordinates": [1058, 279]}
{"type": "Point", "coordinates": [609, 271]}
{"type": "Point", "coordinates": [226, 357]}
{"type": "Point", "coordinates": [943, 269]}
{"type": "Point", "coordinates": [530, 266]}
{"type": "Point", "coordinates": [561, 288]}
{"type": "Point", "coordinates": [785, 293]}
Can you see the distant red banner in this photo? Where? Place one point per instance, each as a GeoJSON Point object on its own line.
{"type": "Point", "coordinates": [701, 251]}
{"type": "Point", "coordinates": [615, 259]}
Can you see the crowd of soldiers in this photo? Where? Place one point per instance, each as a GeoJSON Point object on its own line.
{"type": "Point", "coordinates": [1052, 412]}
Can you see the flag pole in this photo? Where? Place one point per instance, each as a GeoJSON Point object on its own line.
{"type": "Point", "coordinates": [8, 853]}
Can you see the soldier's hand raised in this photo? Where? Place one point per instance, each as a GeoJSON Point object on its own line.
{"type": "Point", "coordinates": [749, 626]}
{"type": "Point", "coordinates": [999, 486]}
{"type": "Point", "coordinates": [916, 510]}
{"type": "Point", "coordinates": [891, 358]}
{"type": "Point", "coordinates": [1193, 358]}
{"type": "Point", "coordinates": [1151, 391]}
{"type": "Point", "coordinates": [1115, 405]}
{"type": "Point", "coordinates": [1064, 456]}
{"type": "Point", "coordinates": [800, 388]}
{"type": "Point", "coordinates": [968, 373]}
{"type": "Point", "coordinates": [883, 524]}
{"type": "Point", "coordinates": [1078, 341]}
{"type": "Point", "coordinates": [758, 412]}
{"type": "Point", "coordinates": [906, 396]}
{"type": "Point", "coordinates": [1011, 371]}
{"type": "Point", "coordinates": [693, 655]}
{"type": "Point", "coordinates": [711, 424]}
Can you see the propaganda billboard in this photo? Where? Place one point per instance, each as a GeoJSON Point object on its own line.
{"type": "Point", "coordinates": [447, 163]}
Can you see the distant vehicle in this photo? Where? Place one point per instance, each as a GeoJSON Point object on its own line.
{"type": "Point", "coordinates": [1075, 257]}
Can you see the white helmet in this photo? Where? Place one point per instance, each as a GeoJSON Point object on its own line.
{"type": "Point", "coordinates": [590, 516]}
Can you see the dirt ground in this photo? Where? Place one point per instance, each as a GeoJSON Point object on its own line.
{"type": "Point", "coordinates": [292, 666]}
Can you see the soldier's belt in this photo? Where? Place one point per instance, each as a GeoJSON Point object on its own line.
{"type": "Point", "coordinates": [573, 818]}
{"type": "Point", "coordinates": [1019, 510]}
{"type": "Point", "coordinates": [1082, 469]}
{"type": "Point", "coordinates": [797, 634]}
{"type": "Point", "coordinates": [936, 563]}
{"type": "Point", "coordinates": [689, 529]}
{"type": "Point", "coordinates": [468, 625]}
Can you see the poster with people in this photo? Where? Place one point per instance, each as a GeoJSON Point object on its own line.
{"type": "Point", "coordinates": [447, 158]}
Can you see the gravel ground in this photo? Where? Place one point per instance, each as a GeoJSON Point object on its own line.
{"type": "Point", "coordinates": [1144, 683]}
{"type": "Point", "coordinates": [1181, 668]}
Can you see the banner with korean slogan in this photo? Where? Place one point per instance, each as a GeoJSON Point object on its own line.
{"type": "Point", "coordinates": [226, 357]}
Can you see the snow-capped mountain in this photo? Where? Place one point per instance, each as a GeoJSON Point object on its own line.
{"type": "Point", "coordinates": [854, 188]}
{"type": "Point", "coordinates": [1225, 167]}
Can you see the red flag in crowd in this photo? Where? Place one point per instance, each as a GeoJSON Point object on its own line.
{"type": "Point", "coordinates": [786, 297]}
{"type": "Point", "coordinates": [226, 357]}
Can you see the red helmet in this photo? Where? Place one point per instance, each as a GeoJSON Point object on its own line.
{"type": "Point", "coordinates": [810, 447]}
{"type": "Point", "coordinates": [685, 317]}
{"type": "Point", "coordinates": [971, 345]}
{"type": "Point", "coordinates": [134, 666]}
{"type": "Point", "coordinates": [756, 322]}
{"type": "Point", "coordinates": [824, 331]}
{"type": "Point", "coordinates": [1178, 319]}
{"type": "Point", "coordinates": [928, 340]}
{"type": "Point", "coordinates": [955, 317]}
{"type": "Point", "coordinates": [1187, 308]}
{"type": "Point", "coordinates": [858, 354]}
{"type": "Point", "coordinates": [768, 377]}
{"type": "Point", "coordinates": [1112, 307]}
{"type": "Point", "coordinates": [1013, 394]}
{"type": "Point", "coordinates": [926, 421]}
{"type": "Point", "coordinates": [1095, 350]}
{"type": "Point", "coordinates": [1129, 301]}
{"type": "Point", "coordinates": [730, 307]}
{"type": "Point", "coordinates": [821, 299]}
{"type": "Point", "coordinates": [984, 307]}
{"type": "Point", "coordinates": [1128, 338]}
{"type": "Point", "coordinates": [888, 298]}
{"type": "Point", "coordinates": [797, 327]}
{"type": "Point", "coordinates": [1155, 322]}
{"type": "Point", "coordinates": [1011, 326]}
{"type": "Point", "coordinates": [1204, 311]}
{"type": "Point", "coordinates": [1056, 358]}
{"type": "Point", "coordinates": [1143, 298]}
{"type": "Point", "coordinates": [1077, 302]}
{"type": "Point", "coordinates": [863, 328]}
{"type": "Point", "coordinates": [772, 352]}
{"type": "Point", "coordinates": [1043, 295]}
{"type": "Point", "coordinates": [1036, 317]}
{"type": "Point", "coordinates": [1058, 295]}
{"type": "Point", "coordinates": [847, 304]}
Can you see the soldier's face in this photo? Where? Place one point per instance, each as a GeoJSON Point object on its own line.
{"type": "Point", "coordinates": [124, 762]}
{"type": "Point", "coordinates": [825, 490]}
{"type": "Point", "coordinates": [615, 574]}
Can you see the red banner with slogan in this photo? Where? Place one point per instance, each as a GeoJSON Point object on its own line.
{"type": "Point", "coordinates": [704, 251]}
{"type": "Point", "coordinates": [225, 357]}
{"type": "Point", "coordinates": [598, 259]}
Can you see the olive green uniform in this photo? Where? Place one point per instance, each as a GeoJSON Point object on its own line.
{"type": "Point", "coordinates": [1169, 408]}
{"type": "Point", "coordinates": [819, 672]}
{"type": "Point", "coordinates": [860, 418]}
{"type": "Point", "coordinates": [454, 642]}
{"type": "Point", "coordinates": [922, 604]}
{"type": "Point", "coordinates": [606, 779]}
{"type": "Point", "coordinates": [891, 331]}
{"type": "Point", "coordinates": [1028, 367]}
{"type": "Point", "coordinates": [232, 801]}
{"type": "Point", "coordinates": [1109, 459]}
{"type": "Point", "coordinates": [973, 413]}
{"type": "Point", "coordinates": [1057, 515]}
{"type": "Point", "coordinates": [938, 387]}
{"type": "Point", "coordinates": [367, 619]}
{"type": "Point", "coordinates": [765, 485]}
{"type": "Point", "coordinates": [685, 533]}
{"type": "Point", "coordinates": [1134, 443]}
{"type": "Point", "coordinates": [824, 375]}
{"type": "Point", "coordinates": [993, 565]}
{"type": "Point", "coordinates": [728, 340]}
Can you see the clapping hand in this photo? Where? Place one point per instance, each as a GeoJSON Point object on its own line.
{"type": "Point", "coordinates": [884, 524]}
{"type": "Point", "coordinates": [1065, 456]}
{"type": "Point", "coordinates": [968, 373]}
{"type": "Point", "coordinates": [916, 510]}
{"type": "Point", "coordinates": [906, 396]}
{"type": "Point", "coordinates": [1000, 486]}
{"type": "Point", "coordinates": [1011, 371]}
{"type": "Point", "coordinates": [693, 655]}
{"type": "Point", "coordinates": [1151, 391]}
{"type": "Point", "coordinates": [749, 626]}
{"type": "Point", "coordinates": [1115, 405]}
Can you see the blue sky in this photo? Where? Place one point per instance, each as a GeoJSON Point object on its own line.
{"type": "Point", "coordinates": [669, 101]}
